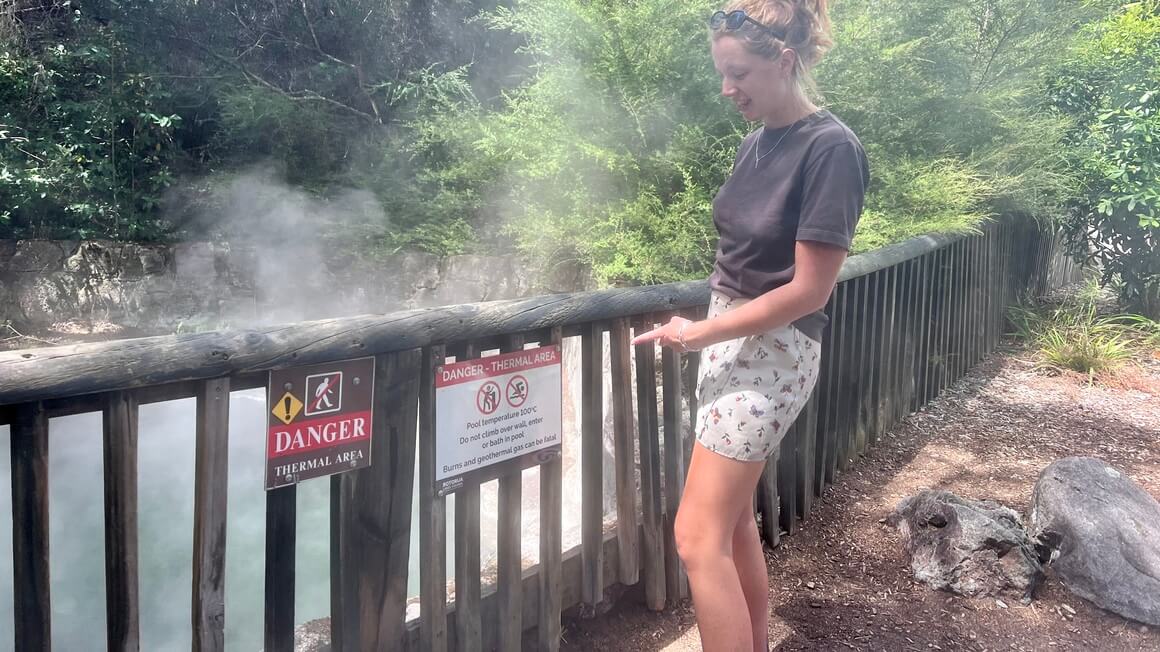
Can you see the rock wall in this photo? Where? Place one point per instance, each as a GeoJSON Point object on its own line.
{"type": "Point", "coordinates": [71, 286]}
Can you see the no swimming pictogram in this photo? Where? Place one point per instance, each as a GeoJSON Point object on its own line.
{"type": "Point", "coordinates": [517, 391]}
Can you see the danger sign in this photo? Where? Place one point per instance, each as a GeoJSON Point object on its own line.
{"type": "Point", "coordinates": [496, 415]}
{"type": "Point", "coordinates": [320, 422]}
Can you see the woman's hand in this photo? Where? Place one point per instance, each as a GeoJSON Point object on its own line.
{"type": "Point", "coordinates": [668, 335]}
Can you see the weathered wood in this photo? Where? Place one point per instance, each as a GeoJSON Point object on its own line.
{"type": "Point", "coordinates": [874, 360]}
{"type": "Point", "coordinates": [846, 367]}
{"type": "Point", "coordinates": [432, 515]}
{"type": "Point", "coordinates": [971, 324]}
{"type": "Point", "coordinates": [905, 357]}
{"type": "Point", "coordinates": [468, 592]}
{"type": "Point", "coordinates": [892, 255]}
{"type": "Point", "coordinates": [914, 348]}
{"type": "Point", "coordinates": [281, 506]}
{"type": "Point", "coordinates": [85, 368]}
{"type": "Point", "coordinates": [804, 462]}
{"type": "Point", "coordinates": [692, 363]}
{"type": "Point", "coordinates": [32, 613]}
{"type": "Point", "coordinates": [549, 574]}
{"type": "Point", "coordinates": [980, 308]}
{"type": "Point", "coordinates": [826, 388]}
{"type": "Point", "coordinates": [786, 508]}
{"type": "Point", "coordinates": [591, 462]}
{"type": "Point", "coordinates": [211, 475]}
{"type": "Point", "coordinates": [834, 390]}
{"type": "Point", "coordinates": [625, 453]}
{"type": "Point", "coordinates": [962, 281]}
{"type": "Point", "coordinates": [807, 464]}
{"type": "Point", "coordinates": [570, 595]}
{"type": "Point", "coordinates": [375, 513]}
{"type": "Point", "coordinates": [653, 549]}
{"type": "Point", "coordinates": [509, 562]}
{"type": "Point", "coordinates": [947, 320]}
{"type": "Point", "coordinates": [930, 351]}
{"type": "Point", "coordinates": [893, 346]}
{"type": "Point", "coordinates": [886, 348]}
{"type": "Point", "coordinates": [768, 504]}
{"type": "Point", "coordinates": [924, 297]}
{"type": "Point", "coordinates": [1002, 241]}
{"type": "Point", "coordinates": [343, 594]}
{"type": "Point", "coordinates": [121, 585]}
{"type": "Point", "coordinates": [856, 437]}
{"type": "Point", "coordinates": [966, 322]}
{"type": "Point", "coordinates": [863, 350]}
{"type": "Point", "coordinates": [64, 406]}
{"type": "Point", "coordinates": [676, 582]}
{"type": "Point", "coordinates": [898, 401]}
{"type": "Point", "coordinates": [37, 374]}
{"type": "Point", "coordinates": [468, 626]}
{"type": "Point", "coordinates": [991, 297]}
{"type": "Point", "coordinates": [898, 348]}
{"type": "Point", "coordinates": [961, 308]}
{"type": "Point", "coordinates": [877, 317]}
{"type": "Point", "coordinates": [846, 402]}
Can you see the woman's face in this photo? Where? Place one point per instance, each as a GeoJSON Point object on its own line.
{"type": "Point", "coordinates": [758, 87]}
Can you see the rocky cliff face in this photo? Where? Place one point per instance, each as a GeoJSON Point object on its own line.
{"type": "Point", "coordinates": [62, 286]}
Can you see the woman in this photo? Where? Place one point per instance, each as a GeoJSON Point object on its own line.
{"type": "Point", "coordinates": [785, 217]}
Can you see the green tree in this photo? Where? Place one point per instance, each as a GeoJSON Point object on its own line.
{"type": "Point", "coordinates": [612, 150]}
{"type": "Point", "coordinates": [1110, 87]}
{"type": "Point", "coordinates": [85, 141]}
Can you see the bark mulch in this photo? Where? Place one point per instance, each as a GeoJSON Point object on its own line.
{"type": "Point", "coordinates": [842, 582]}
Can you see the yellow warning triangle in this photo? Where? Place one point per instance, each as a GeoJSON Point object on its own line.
{"type": "Point", "coordinates": [287, 407]}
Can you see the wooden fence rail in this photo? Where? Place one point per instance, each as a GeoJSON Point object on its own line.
{"type": "Point", "coordinates": [906, 321]}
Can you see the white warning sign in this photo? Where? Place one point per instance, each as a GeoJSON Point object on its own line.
{"type": "Point", "coordinates": [495, 415]}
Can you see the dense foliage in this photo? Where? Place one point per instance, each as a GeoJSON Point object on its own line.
{"type": "Point", "coordinates": [1110, 87]}
{"type": "Point", "coordinates": [566, 129]}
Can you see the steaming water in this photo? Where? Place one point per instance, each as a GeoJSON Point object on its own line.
{"type": "Point", "coordinates": [165, 523]}
{"type": "Point", "coordinates": [165, 526]}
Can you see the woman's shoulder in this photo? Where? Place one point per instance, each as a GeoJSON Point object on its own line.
{"type": "Point", "coordinates": [826, 131]}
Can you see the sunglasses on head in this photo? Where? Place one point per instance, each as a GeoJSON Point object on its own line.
{"type": "Point", "coordinates": [736, 20]}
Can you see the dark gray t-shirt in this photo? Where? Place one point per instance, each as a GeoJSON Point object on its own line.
{"type": "Point", "coordinates": [810, 186]}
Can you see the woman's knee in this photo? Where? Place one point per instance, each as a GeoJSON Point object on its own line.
{"type": "Point", "coordinates": [698, 537]}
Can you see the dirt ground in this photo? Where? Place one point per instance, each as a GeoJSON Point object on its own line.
{"type": "Point", "coordinates": [842, 581]}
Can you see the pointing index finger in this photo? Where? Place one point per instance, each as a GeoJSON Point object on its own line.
{"type": "Point", "coordinates": [647, 337]}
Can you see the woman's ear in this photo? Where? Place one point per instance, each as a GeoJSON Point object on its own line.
{"type": "Point", "coordinates": [787, 62]}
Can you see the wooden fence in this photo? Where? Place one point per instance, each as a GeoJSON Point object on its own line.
{"type": "Point", "coordinates": [907, 321]}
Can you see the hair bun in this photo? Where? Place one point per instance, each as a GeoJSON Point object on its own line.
{"type": "Point", "coordinates": [805, 24]}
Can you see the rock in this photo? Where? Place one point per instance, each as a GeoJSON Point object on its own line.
{"type": "Point", "coordinates": [1100, 531]}
{"type": "Point", "coordinates": [38, 256]}
{"type": "Point", "coordinates": [7, 253]}
{"type": "Point", "coordinates": [970, 548]}
{"type": "Point", "coordinates": [155, 288]}
{"type": "Point", "coordinates": [313, 636]}
{"type": "Point", "coordinates": [195, 264]}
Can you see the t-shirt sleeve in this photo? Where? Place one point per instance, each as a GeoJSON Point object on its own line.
{"type": "Point", "coordinates": [833, 192]}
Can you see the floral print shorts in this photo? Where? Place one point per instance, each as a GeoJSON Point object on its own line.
{"type": "Point", "coordinates": [751, 389]}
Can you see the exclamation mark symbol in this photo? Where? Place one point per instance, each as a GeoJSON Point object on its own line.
{"type": "Point", "coordinates": [286, 408]}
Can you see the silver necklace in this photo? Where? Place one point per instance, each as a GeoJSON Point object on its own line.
{"type": "Point", "coordinates": [757, 146]}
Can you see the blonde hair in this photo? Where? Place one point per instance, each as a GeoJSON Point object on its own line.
{"type": "Point", "coordinates": [805, 25]}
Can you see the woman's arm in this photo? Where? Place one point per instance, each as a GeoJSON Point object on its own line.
{"type": "Point", "coordinates": [816, 267]}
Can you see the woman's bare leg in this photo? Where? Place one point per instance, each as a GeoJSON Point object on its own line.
{"type": "Point", "coordinates": [751, 570]}
{"type": "Point", "coordinates": [718, 490]}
